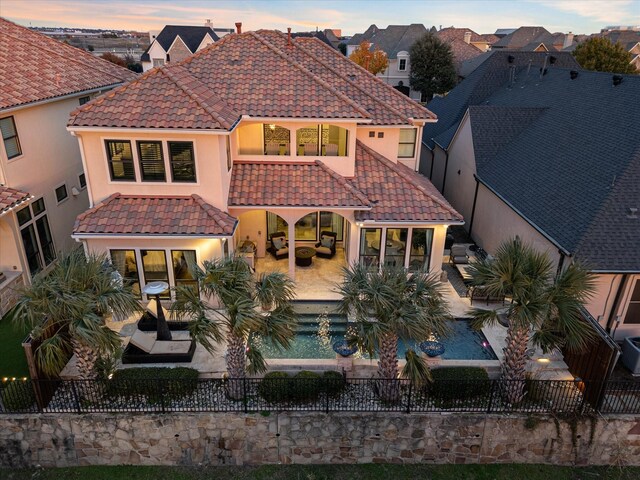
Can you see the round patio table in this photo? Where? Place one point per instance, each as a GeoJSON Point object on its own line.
{"type": "Point", "coordinates": [304, 256]}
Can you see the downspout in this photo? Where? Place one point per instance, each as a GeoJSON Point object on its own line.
{"type": "Point", "coordinates": [473, 209]}
{"type": "Point", "coordinates": [614, 307]}
{"type": "Point", "coordinates": [433, 159]}
{"type": "Point", "coordinates": [446, 167]}
{"type": "Point", "coordinates": [560, 263]}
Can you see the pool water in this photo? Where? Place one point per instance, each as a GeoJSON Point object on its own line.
{"type": "Point", "coordinates": [317, 334]}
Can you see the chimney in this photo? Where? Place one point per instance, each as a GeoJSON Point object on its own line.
{"type": "Point", "coordinates": [208, 23]}
{"type": "Point", "coordinates": [568, 40]}
{"type": "Point", "coordinates": [467, 37]}
{"type": "Point", "coordinates": [238, 27]}
{"type": "Point", "coordinates": [289, 36]}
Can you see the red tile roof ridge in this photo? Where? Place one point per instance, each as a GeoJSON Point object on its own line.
{"type": "Point", "coordinates": [73, 59]}
{"type": "Point", "coordinates": [214, 213]}
{"type": "Point", "coordinates": [309, 74]}
{"type": "Point", "coordinates": [342, 181]}
{"type": "Point", "coordinates": [95, 208]}
{"type": "Point", "coordinates": [351, 82]}
{"type": "Point", "coordinates": [99, 100]}
{"type": "Point", "coordinates": [170, 71]}
{"type": "Point", "coordinates": [10, 197]}
{"type": "Point", "coordinates": [409, 175]}
{"type": "Point", "coordinates": [273, 162]}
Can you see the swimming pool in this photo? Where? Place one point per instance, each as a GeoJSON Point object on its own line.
{"type": "Point", "coordinates": [316, 335]}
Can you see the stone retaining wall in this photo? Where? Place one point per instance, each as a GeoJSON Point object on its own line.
{"type": "Point", "coordinates": [303, 437]}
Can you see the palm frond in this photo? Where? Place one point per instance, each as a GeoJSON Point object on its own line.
{"type": "Point", "coordinates": [416, 369]}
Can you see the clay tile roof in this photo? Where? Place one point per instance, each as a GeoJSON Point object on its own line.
{"type": "Point", "coordinates": [398, 193]}
{"type": "Point", "coordinates": [10, 197]}
{"type": "Point", "coordinates": [146, 215]}
{"type": "Point", "coordinates": [291, 184]}
{"type": "Point", "coordinates": [36, 67]}
{"type": "Point", "coordinates": [256, 74]}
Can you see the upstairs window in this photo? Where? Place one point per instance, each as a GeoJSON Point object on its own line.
{"type": "Point", "coordinates": [82, 180]}
{"type": "Point", "coordinates": [407, 144]}
{"type": "Point", "coordinates": [10, 137]}
{"type": "Point", "coordinates": [61, 193]}
{"type": "Point", "coordinates": [83, 100]}
{"type": "Point", "coordinates": [120, 160]}
{"type": "Point", "coordinates": [158, 62]}
{"type": "Point", "coordinates": [402, 64]}
{"type": "Point", "coordinates": [183, 166]}
{"type": "Point", "coordinates": [151, 162]}
{"type": "Point", "coordinates": [37, 240]}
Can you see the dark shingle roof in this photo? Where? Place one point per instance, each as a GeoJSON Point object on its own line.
{"type": "Point", "coordinates": [523, 37]}
{"type": "Point", "coordinates": [571, 161]}
{"type": "Point", "coordinates": [191, 36]}
{"type": "Point", "coordinates": [490, 75]}
{"type": "Point", "coordinates": [393, 39]}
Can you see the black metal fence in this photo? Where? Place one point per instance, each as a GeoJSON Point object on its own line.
{"type": "Point", "coordinates": [308, 394]}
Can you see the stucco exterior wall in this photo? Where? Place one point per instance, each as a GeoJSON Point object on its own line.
{"type": "Point", "coordinates": [155, 52]}
{"type": "Point", "coordinates": [50, 157]}
{"type": "Point", "coordinates": [460, 183]}
{"type": "Point", "coordinates": [210, 159]}
{"type": "Point", "coordinates": [439, 163]}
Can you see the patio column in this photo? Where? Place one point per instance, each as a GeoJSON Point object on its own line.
{"type": "Point", "coordinates": [292, 250]}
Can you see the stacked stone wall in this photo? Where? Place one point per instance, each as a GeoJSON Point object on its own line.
{"type": "Point", "coordinates": [302, 437]}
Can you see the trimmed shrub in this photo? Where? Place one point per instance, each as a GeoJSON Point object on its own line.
{"type": "Point", "coordinates": [306, 387]}
{"type": "Point", "coordinates": [458, 383]}
{"type": "Point", "coordinates": [153, 383]}
{"type": "Point", "coordinates": [18, 396]}
{"type": "Point", "coordinates": [274, 387]}
{"type": "Point", "coordinates": [334, 382]}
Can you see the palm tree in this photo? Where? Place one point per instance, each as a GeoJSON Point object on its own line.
{"type": "Point", "coordinates": [75, 297]}
{"type": "Point", "coordinates": [251, 308]}
{"type": "Point", "coordinates": [544, 309]}
{"type": "Point", "coordinates": [388, 305]}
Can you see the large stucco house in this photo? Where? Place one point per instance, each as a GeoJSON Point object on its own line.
{"type": "Point", "coordinates": [42, 181]}
{"type": "Point", "coordinates": [257, 134]}
{"type": "Point", "coordinates": [526, 146]}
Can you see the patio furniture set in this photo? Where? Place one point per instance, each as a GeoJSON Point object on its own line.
{"type": "Point", "coordinates": [463, 263]}
{"type": "Point", "coordinates": [325, 248]}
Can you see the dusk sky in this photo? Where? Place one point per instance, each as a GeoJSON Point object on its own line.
{"type": "Point", "coordinates": [578, 16]}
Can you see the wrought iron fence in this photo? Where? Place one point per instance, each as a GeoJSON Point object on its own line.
{"type": "Point", "coordinates": [301, 394]}
{"type": "Point", "coordinates": [620, 397]}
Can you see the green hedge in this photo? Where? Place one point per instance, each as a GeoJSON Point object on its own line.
{"type": "Point", "coordinates": [153, 383]}
{"type": "Point", "coordinates": [334, 382]}
{"type": "Point", "coordinates": [458, 383]}
{"type": "Point", "coordinates": [274, 387]}
{"type": "Point", "coordinates": [305, 386]}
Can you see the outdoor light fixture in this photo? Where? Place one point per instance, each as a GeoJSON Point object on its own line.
{"type": "Point", "coordinates": [543, 360]}
{"type": "Point", "coordinates": [272, 126]}
{"type": "Point", "coordinates": [155, 289]}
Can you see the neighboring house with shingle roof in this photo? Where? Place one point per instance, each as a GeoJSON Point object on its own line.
{"type": "Point", "coordinates": [523, 161]}
{"type": "Point", "coordinates": [259, 133]}
{"type": "Point", "coordinates": [396, 41]}
{"type": "Point", "coordinates": [468, 36]}
{"type": "Point", "coordinates": [629, 39]}
{"type": "Point", "coordinates": [533, 39]}
{"type": "Point", "coordinates": [42, 186]}
{"type": "Point", "coordinates": [174, 43]}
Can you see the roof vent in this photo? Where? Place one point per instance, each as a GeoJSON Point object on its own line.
{"type": "Point", "coordinates": [289, 36]}
{"type": "Point", "coordinates": [234, 61]}
{"type": "Point", "coordinates": [351, 76]}
{"type": "Point", "coordinates": [511, 58]}
{"type": "Point", "coordinates": [552, 59]}
{"type": "Point", "coordinates": [573, 74]}
{"type": "Point", "coordinates": [633, 212]}
{"type": "Point", "coordinates": [617, 80]}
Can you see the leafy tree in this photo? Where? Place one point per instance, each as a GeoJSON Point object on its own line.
{"type": "Point", "coordinates": [241, 320]}
{"type": "Point", "coordinates": [113, 58]}
{"type": "Point", "coordinates": [545, 308]}
{"type": "Point", "coordinates": [432, 68]}
{"type": "Point", "coordinates": [76, 296]}
{"type": "Point", "coordinates": [375, 60]}
{"type": "Point", "coordinates": [390, 305]}
{"type": "Point", "coordinates": [599, 54]}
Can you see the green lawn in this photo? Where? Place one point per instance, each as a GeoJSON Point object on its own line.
{"type": "Point", "coordinates": [12, 360]}
{"type": "Point", "coordinates": [332, 472]}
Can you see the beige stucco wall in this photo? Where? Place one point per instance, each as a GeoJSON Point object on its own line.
{"type": "Point", "coordinates": [210, 157]}
{"type": "Point", "coordinates": [439, 162]}
{"type": "Point", "coordinates": [156, 51]}
{"type": "Point", "coordinates": [50, 157]}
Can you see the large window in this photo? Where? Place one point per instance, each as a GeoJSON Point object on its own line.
{"type": "Point", "coordinates": [322, 140]}
{"type": "Point", "coordinates": [184, 262]}
{"type": "Point", "coordinates": [183, 165]}
{"type": "Point", "coordinates": [125, 263]}
{"type": "Point", "coordinates": [309, 227]}
{"type": "Point", "coordinates": [421, 241]}
{"type": "Point", "coordinates": [151, 161]}
{"type": "Point", "coordinates": [370, 240]}
{"type": "Point", "coordinates": [10, 137]}
{"type": "Point", "coordinates": [395, 247]}
{"type": "Point", "coordinates": [36, 236]}
{"type": "Point", "coordinates": [407, 144]}
{"type": "Point", "coordinates": [276, 140]}
{"type": "Point", "coordinates": [154, 267]}
{"type": "Point", "coordinates": [120, 160]}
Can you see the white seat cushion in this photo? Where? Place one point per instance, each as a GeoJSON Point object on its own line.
{"type": "Point", "coordinates": [323, 250]}
{"type": "Point", "coordinates": [283, 251]}
{"type": "Point", "coordinates": [152, 308]}
{"type": "Point", "coordinates": [180, 335]}
{"type": "Point", "coordinates": [169, 346]}
{"type": "Point", "coordinates": [143, 341]}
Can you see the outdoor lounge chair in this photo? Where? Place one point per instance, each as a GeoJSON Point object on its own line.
{"type": "Point", "coordinates": [149, 320]}
{"type": "Point", "coordinates": [458, 254]}
{"type": "Point", "coordinates": [326, 247]}
{"type": "Point", "coordinates": [144, 348]}
{"type": "Point", "coordinates": [279, 247]}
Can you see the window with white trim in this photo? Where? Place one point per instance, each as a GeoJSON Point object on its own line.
{"type": "Point", "coordinates": [36, 236]}
{"type": "Point", "coordinates": [407, 143]}
{"type": "Point", "coordinates": [82, 180]}
{"type": "Point", "coordinates": [120, 160]}
{"type": "Point", "coordinates": [10, 137]}
{"type": "Point", "coordinates": [61, 193]}
{"type": "Point", "coordinates": [151, 161]}
{"type": "Point", "coordinates": [402, 64]}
